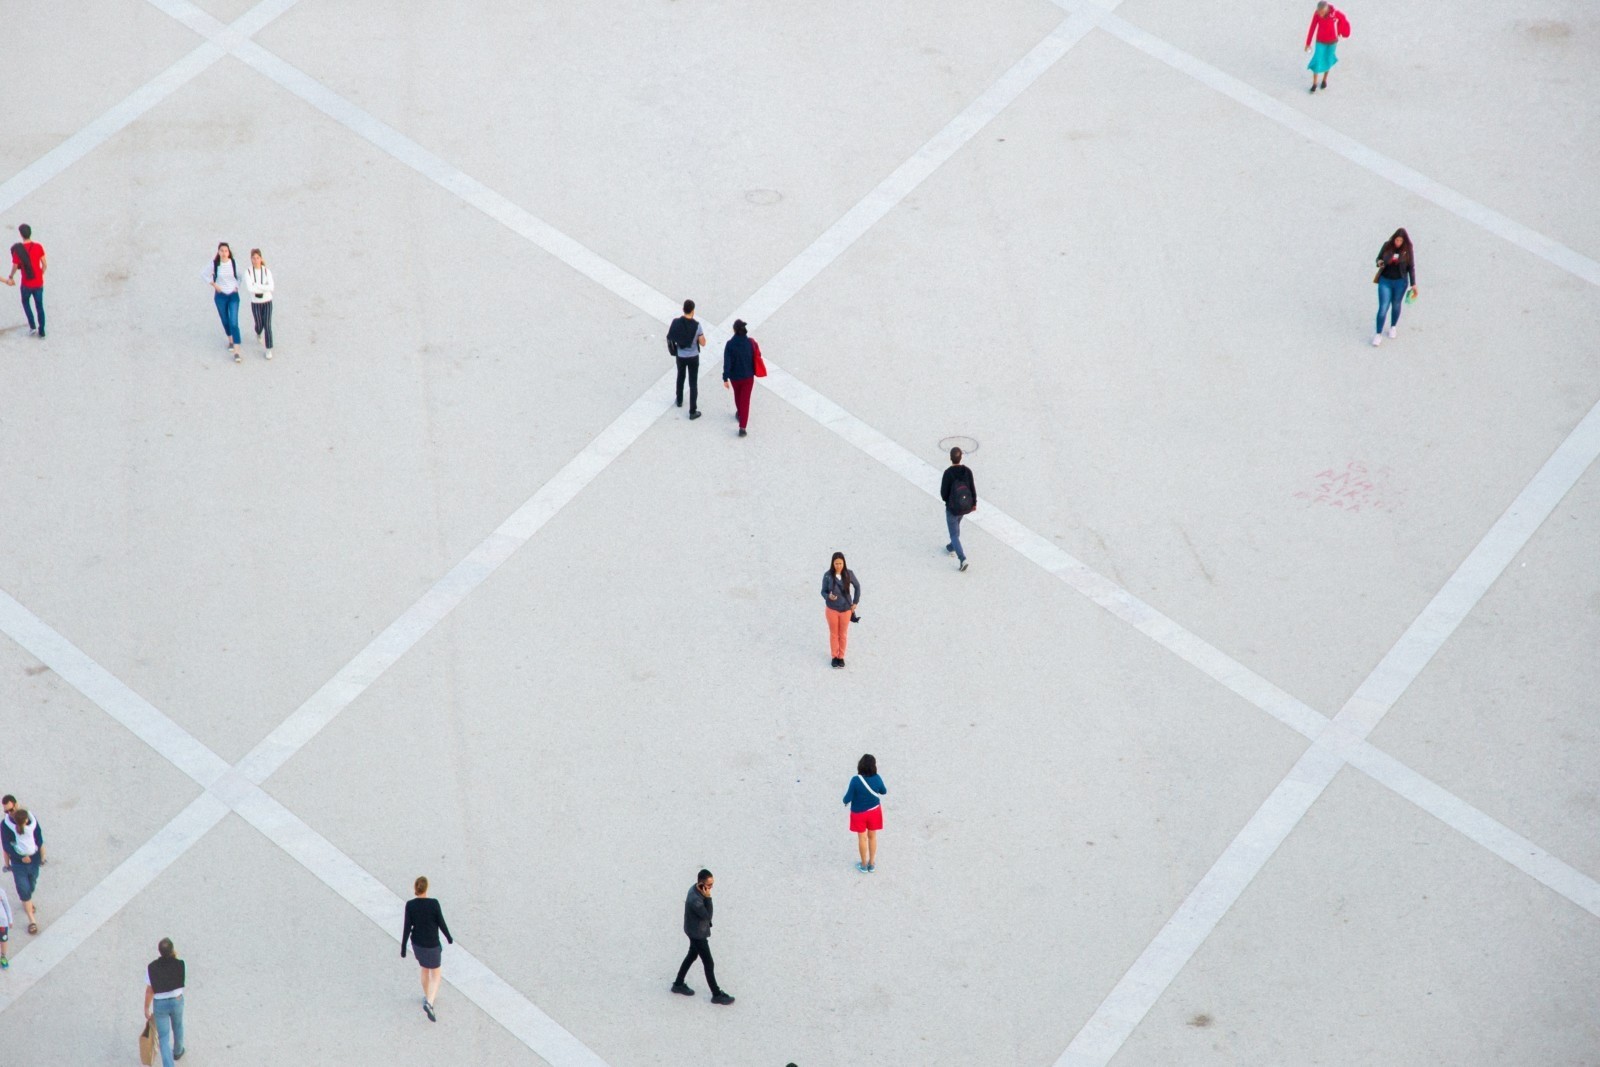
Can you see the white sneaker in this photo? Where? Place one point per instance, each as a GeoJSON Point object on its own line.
{"type": "Point", "coordinates": [1391, 331]}
{"type": "Point", "coordinates": [1377, 339]}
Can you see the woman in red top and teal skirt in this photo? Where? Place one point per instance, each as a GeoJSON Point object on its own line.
{"type": "Point", "coordinates": [866, 811]}
{"type": "Point", "coordinates": [1328, 24]}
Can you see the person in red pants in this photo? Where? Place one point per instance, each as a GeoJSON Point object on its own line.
{"type": "Point", "coordinates": [739, 371]}
{"type": "Point", "coordinates": [840, 595]}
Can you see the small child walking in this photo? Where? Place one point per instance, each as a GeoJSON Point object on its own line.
{"type": "Point", "coordinates": [866, 811]}
{"type": "Point", "coordinates": [5, 928]}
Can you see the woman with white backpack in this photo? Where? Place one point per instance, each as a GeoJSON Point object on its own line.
{"type": "Point", "coordinates": [866, 811]}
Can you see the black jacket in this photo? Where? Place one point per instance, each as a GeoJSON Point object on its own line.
{"type": "Point", "coordinates": [697, 914]}
{"type": "Point", "coordinates": [953, 474]}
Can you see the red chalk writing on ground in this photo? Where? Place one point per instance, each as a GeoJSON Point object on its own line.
{"type": "Point", "coordinates": [1354, 487]}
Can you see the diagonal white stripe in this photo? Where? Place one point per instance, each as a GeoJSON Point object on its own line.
{"type": "Point", "coordinates": [415, 623]}
{"type": "Point", "coordinates": [95, 908]}
{"type": "Point", "coordinates": [1115, 1020]}
{"type": "Point", "coordinates": [1407, 178]}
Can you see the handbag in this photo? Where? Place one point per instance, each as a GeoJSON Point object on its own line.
{"type": "Point", "coordinates": [147, 1044]}
{"type": "Point", "coordinates": [761, 364]}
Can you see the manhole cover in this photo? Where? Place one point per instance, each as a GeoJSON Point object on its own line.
{"type": "Point", "coordinates": [763, 197]}
{"type": "Point", "coordinates": [968, 445]}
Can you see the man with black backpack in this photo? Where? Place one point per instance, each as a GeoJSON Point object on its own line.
{"type": "Point", "coordinates": [960, 496]}
{"type": "Point", "coordinates": [684, 341]}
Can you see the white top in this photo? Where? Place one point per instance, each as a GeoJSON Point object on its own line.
{"type": "Point", "coordinates": [260, 285]}
{"type": "Point", "coordinates": [27, 840]}
{"type": "Point", "coordinates": [5, 908]}
{"type": "Point", "coordinates": [171, 994]}
{"type": "Point", "coordinates": [224, 277]}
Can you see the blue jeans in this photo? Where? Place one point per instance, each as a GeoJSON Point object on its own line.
{"type": "Point", "coordinates": [26, 876]}
{"type": "Point", "coordinates": [228, 312]}
{"type": "Point", "coordinates": [952, 522]}
{"type": "Point", "coordinates": [37, 296]}
{"type": "Point", "coordinates": [1391, 294]}
{"type": "Point", "coordinates": [169, 1025]}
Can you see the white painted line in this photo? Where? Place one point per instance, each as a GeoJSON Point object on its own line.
{"type": "Point", "coordinates": [1407, 178]}
{"type": "Point", "coordinates": [1504, 842]}
{"type": "Point", "coordinates": [834, 241]}
{"type": "Point", "coordinates": [102, 129]}
{"type": "Point", "coordinates": [402, 634]}
{"type": "Point", "coordinates": [1128, 1002]}
{"type": "Point", "coordinates": [141, 100]}
{"type": "Point", "coordinates": [1209, 660]}
{"type": "Point", "coordinates": [1114, 1021]}
{"type": "Point", "coordinates": [1417, 646]}
{"type": "Point", "coordinates": [497, 998]}
{"type": "Point", "coordinates": [581, 259]}
{"type": "Point", "coordinates": [109, 693]}
{"type": "Point", "coordinates": [34, 958]}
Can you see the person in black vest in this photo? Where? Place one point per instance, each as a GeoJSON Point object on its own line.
{"type": "Point", "coordinates": [960, 495]}
{"type": "Point", "coordinates": [697, 925]}
{"type": "Point", "coordinates": [424, 923]}
{"type": "Point", "coordinates": [685, 339]}
{"type": "Point", "coordinates": [163, 1001]}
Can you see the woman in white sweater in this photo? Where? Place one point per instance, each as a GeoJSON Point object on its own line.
{"type": "Point", "coordinates": [260, 281]}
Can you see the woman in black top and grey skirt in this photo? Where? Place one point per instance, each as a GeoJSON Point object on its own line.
{"type": "Point", "coordinates": [424, 924]}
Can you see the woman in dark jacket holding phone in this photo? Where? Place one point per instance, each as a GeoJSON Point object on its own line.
{"type": "Point", "coordinates": [840, 595]}
{"type": "Point", "coordinates": [1396, 278]}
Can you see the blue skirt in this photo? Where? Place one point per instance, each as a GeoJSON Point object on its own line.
{"type": "Point", "coordinates": [1322, 58]}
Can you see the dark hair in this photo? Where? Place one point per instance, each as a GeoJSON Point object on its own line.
{"type": "Point", "coordinates": [21, 253]}
{"type": "Point", "coordinates": [164, 946]}
{"type": "Point", "coordinates": [739, 327]}
{"type": "Point", "coordinates": [216, 260]}
{"type": "Point", "coordinates": [8, 799]}
{"type": "Point", "coordinates": [420, 885]}
{"type": "Point", "coordinates": [955, 455]}
{"type": "Point", "coordinates": [688, 307]}
{"type": "Point", "coordinates": [840, 557]}
{"type": "Point", "coordinates": [26, 231]}
{"type": "Point", "coordinates": [700, 879]}
{"type": "Point", "coordinates": [867, 766]}
{"type": "Point", "coordinates": [20, 818]}
{"type": "Point", "coordinates": [1405, 249]}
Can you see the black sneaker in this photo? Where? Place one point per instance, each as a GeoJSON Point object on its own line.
{"type": "Point", "coordinates": [694, 414]}
{"type": "Point", "coordinates": [1313, 86]}
{"type": "Point", "coordinates": [428, 1008]}
{"type": "Point", "coordinates": [679, 987]}
{"type": "Point", "coordinates": [743, 432]}
{"type": "Point", "coordinates": [719, 997]}
{"type": "Point", "coordinates": [836, 663]}
{"type": "Point", "coordinates": [678, 402]}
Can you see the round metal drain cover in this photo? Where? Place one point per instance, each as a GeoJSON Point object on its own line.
{"type": "Point", "coordinates": [968, 445]}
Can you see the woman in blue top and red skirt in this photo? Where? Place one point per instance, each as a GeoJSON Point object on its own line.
{"type": "Point", "coordinates": [866, 811]}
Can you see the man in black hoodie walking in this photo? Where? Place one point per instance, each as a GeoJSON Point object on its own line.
{"type": "Point", "coordinates": [697, 924]}
{"type": "Point", "coordinates": [960, 495]}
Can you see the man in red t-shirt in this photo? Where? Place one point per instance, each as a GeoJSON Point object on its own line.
{"type": "Point", "coordinates": [27, 259]}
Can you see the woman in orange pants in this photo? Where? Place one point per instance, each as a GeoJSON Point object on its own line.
{"type": "Point", "coordinates": [840, 595]}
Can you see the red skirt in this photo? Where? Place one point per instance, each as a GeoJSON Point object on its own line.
{"type": "Point", "coordinates": [862, 821]}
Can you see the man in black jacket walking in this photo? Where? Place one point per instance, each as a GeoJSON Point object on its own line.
{"type": "Point", "coordinates": [960, 495]}
{"type": "Point", "coordinates": [697, 924]}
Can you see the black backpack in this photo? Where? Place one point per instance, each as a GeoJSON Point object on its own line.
{"type": "Point", "coordinates": [962, 499]}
